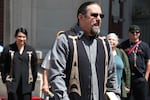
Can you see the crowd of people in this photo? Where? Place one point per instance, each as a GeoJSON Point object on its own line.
{"type": "Point", "coordinates": [82, 64]}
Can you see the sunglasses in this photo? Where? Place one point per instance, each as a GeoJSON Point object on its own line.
{"type": "Point", "coordinates": [135, 32]}
{"type": "Point", "coordinates": [96, 14]}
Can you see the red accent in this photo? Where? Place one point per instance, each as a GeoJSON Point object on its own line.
{"type": "Point", "coordinates": [36, 98]}
{"type": "Point", "coordinates": [132, 49]}
{"type": "Point", "coordinates": [3, 98]}
{"type": "Point", "coordinates": [33, 98]}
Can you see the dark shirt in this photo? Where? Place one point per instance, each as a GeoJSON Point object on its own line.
{"type": "Point", "coordinates": [142, 54]}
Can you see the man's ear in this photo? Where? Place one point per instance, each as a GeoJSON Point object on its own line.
{"type": "Point", "coordinates": [80, 16]}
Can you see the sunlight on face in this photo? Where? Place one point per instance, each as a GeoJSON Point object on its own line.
{"type": "Point", "coordinates": [134, 35]}
{"type": "Point", "coordinates": [92, 20]}
{"type": "Point", "coordinates": [113, 40]}
{"type": "Point", "coordinates": [21, 38]}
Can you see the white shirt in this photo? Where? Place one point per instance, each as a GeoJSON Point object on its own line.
{"type": "Point", "coordinates": [46, 62]}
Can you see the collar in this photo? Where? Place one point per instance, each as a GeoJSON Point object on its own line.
{"type": "Point", "coordinates": [78, 31]}
{"type": "Point", "coordinates": [133, 43]}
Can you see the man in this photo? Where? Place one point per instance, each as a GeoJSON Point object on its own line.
{"type": "Point", "coordinates": [139, 58]}
{"type": "Point", "coordinates": [46, 88]}
{"type": "Point", "coordinates": [46, 66]}
{"type": "Point", "coordinates": [79, 59]}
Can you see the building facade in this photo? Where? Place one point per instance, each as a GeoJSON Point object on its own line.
{"type": "Point", "coordinates": [43, 18]}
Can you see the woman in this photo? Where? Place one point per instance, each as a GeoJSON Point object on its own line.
{"type": "Point", "coordinates": [19, 67]}
{"type": "Point", "coordinates": [122, 65]}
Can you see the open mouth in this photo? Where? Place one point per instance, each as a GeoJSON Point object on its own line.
{"type": "Point", "coordinates": [96, 24]}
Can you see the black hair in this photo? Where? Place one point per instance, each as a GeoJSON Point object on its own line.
{"type": "Point", "coordinates": [82, 8]}
{"type": "Point", "coordinates": [134, 28]}
{"type": "Point", "coordinates": [21, 29]}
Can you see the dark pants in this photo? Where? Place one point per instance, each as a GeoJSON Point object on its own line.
{"type": "Point", "coordinates": [19, 96]}
{"type": "Point", "coordinates": [139, 89]}
{"type": "Point", "coordinates": [51, 98]}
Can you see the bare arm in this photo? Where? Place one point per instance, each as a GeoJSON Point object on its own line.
{"type": "Point", "coordinates": [45, 86]}
{"type": "Point", "coordinates": [45, 65]}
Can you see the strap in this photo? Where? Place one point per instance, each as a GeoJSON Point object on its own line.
{"type": "Point", "coordinates": [74, 82]}
{"type": "Point", "coordinates": [30, 78]}
{"type": "Point", "coordinates": [9, 77]}
{"type": "Point", "coordinates": [132, 49]}
{"type": "Point", "coordinates": [106, 61]}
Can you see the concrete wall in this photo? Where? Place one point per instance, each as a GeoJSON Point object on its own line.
{"type": "Point", "coordinates": [43, 18]}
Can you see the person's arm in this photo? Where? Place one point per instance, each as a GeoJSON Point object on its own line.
{"type": "Point", "coordinates": [45, 66]}
{"type": "Point", "coordinates": [4, 63]}
{"type": "Point", "coordinates": [45, 86]}
{"type": "Point", "coordinates": [34, 67]}
{"type": "Point", "coordinates": [59, 55]}
{"type": "Point", "coordinates": [147, 58]}
{"type": "Point", "coordinates": [147, 70]}
{"type": "Point", "coordinates": [127, 72]}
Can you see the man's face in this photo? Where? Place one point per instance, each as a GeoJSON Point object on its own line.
{"type": "Point", "coordinates": [91, 22]}
{"type": "Point", "coordinates": [134, 35]}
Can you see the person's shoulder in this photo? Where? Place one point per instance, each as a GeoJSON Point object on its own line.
{"type": "Point", "coordinates": [125, 42]}
{"type": "Point", "coordinates": [7, 47]}
{"type": "Point", "coordinates": [70, 32]}
{"type": "Point", "coordinates": [144, 43]}
{"type": "Point", "coordinates": [10, 46]}
{"type": "Point", "coordinates": [63, 37]}
{"type": "Point", "coordinates": [29, 47]}
{"type": "Point", "coordinates": [120, 50]}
